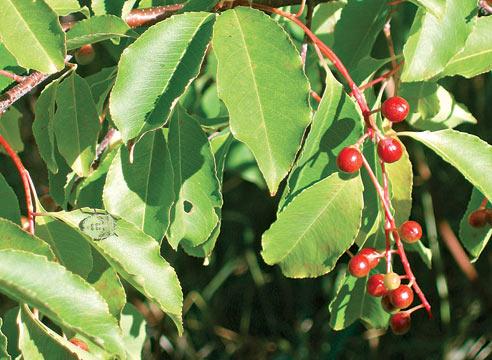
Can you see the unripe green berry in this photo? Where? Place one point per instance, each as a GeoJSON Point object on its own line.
{"type": "Point", "coordinates": [392, 281]}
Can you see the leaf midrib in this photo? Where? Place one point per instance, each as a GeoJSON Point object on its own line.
{"type": "Point", "coordinates": [320, 213]}
{"type": "Point", "coordinates": [32, 34]}
{"type": "Point", "coordinates": [262, 116]}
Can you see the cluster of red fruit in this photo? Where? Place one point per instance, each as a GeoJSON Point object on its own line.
{"type": "Point", "coordinates": [395, 296]}
{"type": "Point", "coordinates": [395, 109]}
{"type": "Point", "coordinates": [481, 217]}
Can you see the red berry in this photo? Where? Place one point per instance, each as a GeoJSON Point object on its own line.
{"type": "Point", "coordinates": [402, 297]}
{"type": "Point", "coordinates": [400, 323]}
{"type": "Point", "coordinates": [387, 305]}
{"type": "Point", "coordinates": [395, 109]}
{"type": "Point", "coordinates": [389, 150]}
{"type": "Point", "coordinates": [479, 218]}
{"type": "Point", "coordinates": [372, 255]}
{"type": "Point", "coordinates": [410, 231]}
{"type": "Point", "coordinates": [85, 55]}
{"type": "Point", "coordinates": [349, 159]}
{"type": "Point", "coordinates": [375, 285]}
{"type": "Point", "coordinates": [392, 281]}
{"type": "Point", "coordinates": [80, 344]}
{"type": "Point", "coordinates": [359, 266]}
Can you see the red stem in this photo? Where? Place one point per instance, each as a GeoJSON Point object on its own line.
{"type": "Point", "coordinates": [484, 202]}
{"type": "Point", "coordinates": [390, 229]}
{"type": "Point", "coordinates": [11, 75]}
{"type": "Point", "coordinates": [383, 77]}
{"type": "Point", "coordinates": [25, 181]}
{"type": "Point", "coordinates": [357, 93]}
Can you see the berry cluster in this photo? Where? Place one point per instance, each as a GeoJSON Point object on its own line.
{"type": "Point", "coordinates": [395, 296]}
{"type": "Point", "coordinates": [395, 109]}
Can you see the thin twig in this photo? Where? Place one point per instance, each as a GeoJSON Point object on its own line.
{"type": "Point", "coordinates": [455, 248]}
{"type": "Point", "coordinates": [24, 175]}
{"type": "Point", "coordinates": [11, 75]}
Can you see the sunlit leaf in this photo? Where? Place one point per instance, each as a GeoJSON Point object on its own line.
{"type": "Point", "coordinates": [156, 69]}
{"type": "Point", "coordinates": [429, 46]}
{"type": "Point", "coordinates": [62, 296]}
{"type": "Point", "coordinates": [196, 187]}
{"type": "Point", "coordinates": [248, 46]}
{"type": "Point", "coordinates": [76, 124]}
{"type": "Point", "coordinates": [315, 228]}
{"type": "Point", "coordinates": [30, 30]}
{"type": "Point", "coordinates": [467, 153]}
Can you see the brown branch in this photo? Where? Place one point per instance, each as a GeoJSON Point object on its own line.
{"type": "Point", "coordinates": [457, 251]}
{"type": "Point", "coordinates": [136, 17]}
{"type": "Point", "coordinates": [21, 89]}
{"type": "Point", "coordinates": [150, 16]}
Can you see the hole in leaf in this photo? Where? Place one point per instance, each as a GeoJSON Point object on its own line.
{"type": "Point", "coordinates": [187, 206]}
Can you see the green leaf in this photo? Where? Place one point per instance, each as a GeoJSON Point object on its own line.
{"type": "Point", "coordinates": [10, 330]}
{"type": "Point", "coordinates": [95, 29]}
{"type": "Point", "coordinates": [435, 7]}
{"type": "Point", "coordinates": [357, 30]}
{"type": "Point", "coordinates": [58, 181]}
{"type": "Point", "coordinates": [136, 257]}
{"type": "Point", "coordinates": [155, 71]}
{"type": "Point", "coordinates": [476, 56]}
{"type": "Point", "coordinates": [89, 193]}
{"type": "Point", "coordinates": [198, 5]}
{"type": "Point", "coordinates": [142, 191]}
{"type": "Point", "coordinates": [433, 107]}
{"type": "Point", "coordinates": [474, 239]}
{"type": "Point", "coordinates": [326, 16]}
{"type": "Point", "coordinates": [64, 297]}
{"type": "Point", "coordinates": [102, 7]}
{"type": "Point", "coordinates": [220, 147]}
{"type": "Point", "coordinates": [467, 153]}
{"type": "Point", "coordinates": [352, 301]}
{"type": "Point", "coordinates": [430, 46]}
{"type": "Point", "coordinates": [71, 249]}
{"type": "Point", "coordinates": [242, 163]}
{"type": "Point", "coordinates": [4, 355]}
{"type": "Point", "coordinates": [38, 342]}
{"type": "Point", "coordinates": [105, 280]}
{"type": "Point", "coordinates": [366, 68]}
{"type": "Point", "coordinates": [133, 325]}
{"type": "Point", "coordinates": [400, 175]}
{"type": "Point", "coordinates": [101, 84]}
{"type": "Point", "coordinates": [268, 104]}
{"type": "Point", "coordinates": [10, 204]}
{"type": "Point", "coordinates": [335, 125]}
{"type": "Point", "coordinates": [12, 237]}
{"type": "Point", "coordinates": [30, 30]}
{"type": "Point", "coordinates": [64, 7]}
{"type": "Point", "coordinates": [331, 213]}
{"type": "Point", "coordinates": [76, 124]}
{"type": "Point", "coordinates": [372, 211]}
{"type": "Point", "coordinates": [196, 187]}
{"type": "Point", "coordinates": [42, 128]}
{"type": "Point", "coordinates": [7, 62]}
{"type": "Point", "coordinates": [10, 129]}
